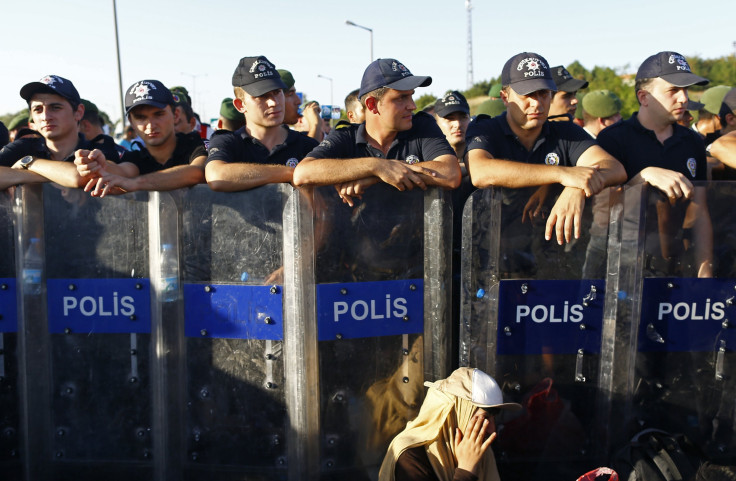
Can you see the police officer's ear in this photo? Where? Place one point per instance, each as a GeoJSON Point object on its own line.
{"type": "Point", "coordinates": [504, 93]}
{"type": "Point", "coordinates": [641, 95]}
{"type": "Point", "coordinates": [371, 104]}
{"type": "Point", "coordinates": [178, 112]}
{"type": "Point", "coordinates": [730, 119]}
{"type": "Point", "coordinates": [239, 105]}
{"type": "Point", "coordinates": [79, 113]}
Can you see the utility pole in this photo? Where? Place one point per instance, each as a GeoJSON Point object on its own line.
{"type": "Point", "coordinates": [120, 77]}
{"type": "Point", "coordinates": [469, 8]}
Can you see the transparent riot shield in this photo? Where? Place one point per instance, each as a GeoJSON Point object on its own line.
{"type": "Point", "coordinates": [236, 421]}
{"type": "Point", "coordinates": [85, 329]}
{"type": "Point", "coordinates": [382, 288]}
{"type": "Point", "coordinates": [532, 317]}
{"type": "Point", "coordinates": [677, 295]}
{"type": "Point", "coordinates": [9, 408]}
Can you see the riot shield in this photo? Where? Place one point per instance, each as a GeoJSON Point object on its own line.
{"type": "Point", "coordinates": [677, 309]}
{"type": "Point", "coordinates": [532, 317]}
{"type": "Point", "coordinates": [9, 409]}
{"type": "Point", "coordinates": [236, 422]}
{"type": "Point", "coordinates": [382, 286]}
{"type": "Point", "coordinates": [85, 334]}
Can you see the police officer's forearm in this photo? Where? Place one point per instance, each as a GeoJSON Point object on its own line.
{"type": "Point", "coordinates": [233, 177]}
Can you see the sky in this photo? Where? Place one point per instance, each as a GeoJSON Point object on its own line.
{"type": "Point", "coordinates": [197, 44]}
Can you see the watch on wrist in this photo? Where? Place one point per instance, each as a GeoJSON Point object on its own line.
{"type": "Point", "coordinates": [26, 161]}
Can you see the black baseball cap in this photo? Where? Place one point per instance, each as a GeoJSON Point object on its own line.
{"type": "Point", "coordinates": [148, 92]}
{"type": "Point", "coordinates": [452, 102]}
{"type": "Point", "coordinates": [565, 81]}
{"type": "Point", "coordinates": [527, 72]}
{"type": "Point", "coordinates": [669, 66]}
{"type": "Point", "coordinates": [257, 76]}
{"type": "Point", "coordinates": [52, 84]}
{"type": "Point", "coordinates": [389, 72]}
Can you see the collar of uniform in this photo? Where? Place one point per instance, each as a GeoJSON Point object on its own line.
{"type": "Point", "coordinates": [677, 130]}
{"type": "Point", "coordinates": [289, 137]}
{"type": "Point", "coordinates": [510, 133]}
{"type": "Point", "coordinates": [360, 135]}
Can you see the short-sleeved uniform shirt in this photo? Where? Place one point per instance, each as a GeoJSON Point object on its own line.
{"type": "Point", "coordinates": [238, 146]}
{"type": "Point", "coordinates": [188, 147]}
{"type": "Point", "coordinates": [559, 143]}
{"type": "Point", "coordinates": [36, 146]}
{"type": "Point", "coordinates": [637, 147]}
{"type": "Point", "coordinates": [106, 142]}
{"type": "Point", "coordinates": [382, 239]}
{"type": "Point", "coordinates": [423, 142]}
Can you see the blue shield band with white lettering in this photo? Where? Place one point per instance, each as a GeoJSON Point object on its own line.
{"type": "Point", "coordinates": [99, 306]}
{"type": "Point", "coordinates": [370, 309]}
{"type": "Point", "coordinates": [8, 305]}
{"type": "Point", "coordinates": [680, 315]}
{"type": "Point", "coordinates": [233, 311]}
{"type": "Point", "coordinates": [550, 317]}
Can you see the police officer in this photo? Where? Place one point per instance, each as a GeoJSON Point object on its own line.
{"type": "Point", "coordinates": [565, 100]}
{"type": "Point", "coordinates": [655, 149]}
{"type": "Point", "coordinates": [265, 151]}
{"type": "Point", "coordinates": [169, 160]}
{"type": "Point", "coordinates": [521, 148]}
{"type": "Point", "coordinates": [392, 146]}
{"type": "Point", "coordinates": [452, 114]}
{"type": "Point", "coordinates": [56, 111]}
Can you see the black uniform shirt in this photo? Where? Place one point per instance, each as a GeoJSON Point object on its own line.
{"type": "Point", "coordinates": [637, 147]}
{"type": "Point", "coordinates": [188, 147]}
{"type": "Point", "coordinates": [559, 143]}
{"type": "Point", "coordinates": [423, 142]}
{"type": "Point", "coordinates": [238, 146]}
{"type": "Point", "coordinates": [36, 146]}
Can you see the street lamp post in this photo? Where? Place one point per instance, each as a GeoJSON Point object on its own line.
{"type": "Point", "coordinates": [120, 77]}
{"type": "Point", "coordinates": [353, 24]}
{"type": "Point", "coordinates": [331, 100]}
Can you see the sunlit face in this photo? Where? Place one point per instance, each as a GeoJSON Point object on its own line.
{"type": "Point", "coordinates": [454, 126]}
{"type": "Point", "coordinates": [53, 116]}
{"type": "Point", "coordinates": [527, 112]}
{"type": "Point", "coordinates": [266, 110]}
{"type": "Point", "coordinates": [664, 100]}
{"type": "Point", "coordinates": [357, 114]}
{"type": "Point", "coordinates": [181, 124]}
{"type": "Point", "coordinates": [563, 103]}
{"type": "Point", "coordinates": [291, 106]}
{"type": "Point", "coordinates": [395, 110]}
{"type": "Point", "coordinates": [155, 126]}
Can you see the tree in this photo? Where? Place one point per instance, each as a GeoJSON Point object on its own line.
{"type": "Point", "coordinates": [425, 100]}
